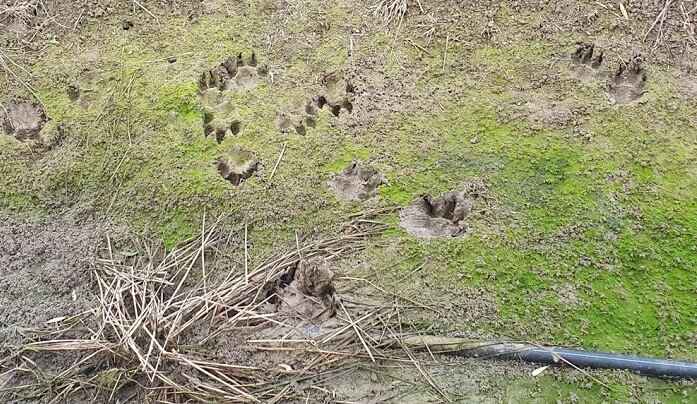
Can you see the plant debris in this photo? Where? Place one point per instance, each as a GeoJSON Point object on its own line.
{"type": "Point", "coordinates": [153, 319]}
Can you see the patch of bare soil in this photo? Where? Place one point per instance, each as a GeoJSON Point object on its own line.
{"type": "Point", "coordinates": [629, 82]}
{"type": "Point", "coordinates": [568, 295]}
{"type": "Point", "coordinates": [23, 120]}
{"type": "Point", "coordinates": [548, 112]}
{"type": "Point", "coordinates": [465, 381]}
{"type": "Point", "coordinates": [238, 166]}
{"type": "Point", "coordinates": [443, 216]}
{"type": "Point", "coordinates": [357, 182]}
{"type": "Point", "coordinates": [44, 266]}
{"type": "Point", "coordinates": [690, 90]}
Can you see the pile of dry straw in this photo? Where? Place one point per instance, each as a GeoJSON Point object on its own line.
{"type": "Point", "coordinates": [158, 326]}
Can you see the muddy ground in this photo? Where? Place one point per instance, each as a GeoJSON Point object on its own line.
{"type": "Point", "coordinates": [540, 157]}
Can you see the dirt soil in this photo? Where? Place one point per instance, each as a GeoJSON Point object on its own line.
{"type": "Point", "coordinates": [571, 124]}
{"type": "Point", "coordinates": [44, 266]}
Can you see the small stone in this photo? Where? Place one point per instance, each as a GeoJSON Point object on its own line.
{"type": "Point", "coordinates": [172, 59]}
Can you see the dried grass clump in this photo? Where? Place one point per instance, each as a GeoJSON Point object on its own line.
{"type": "Point", "coordinates": [18, 10]}
{"type": "Point", "coordinates": [147, 337]}
{"type": "Point", "coordinates": [390, 10]}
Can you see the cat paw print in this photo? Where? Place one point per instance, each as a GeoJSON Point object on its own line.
{"type": "Point", "coordinates": [629, 82]}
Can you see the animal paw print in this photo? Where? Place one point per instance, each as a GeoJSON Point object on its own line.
{"type": "Point", "coordinates": [23, 120]}
{"type": "Point", "coordinates": [238, 166]}
{"type": "Point", "coordinates": [337, 95]}
{"type": "Point", "coordinates": [234, 73]}
{"type": "Point", "coordinates": [295, 121]}
{"type": "Point", "coordinates": [445, 215]}
{"type": "Point", "coordinates": [357, 182]}
{"type": "Point", "coordinates": [442, 216]}
{"type": "Point", "coordinates": [627, 85]}
{"type": "Point", "coordinates": [629, 82]}
{"type": "Point", "coordinates": [585, 61]}
{"type": "Point", "coordinates": [220, 118]}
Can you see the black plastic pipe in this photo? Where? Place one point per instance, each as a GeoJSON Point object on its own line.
{"type": "Point", "coordinates": [663, 368]}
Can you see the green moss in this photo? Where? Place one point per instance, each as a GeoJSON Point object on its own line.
{"type": "Point", "coordinates": [565, 203]}
{"type": "Point", "coordinates": [346, 152]}
{"type": "Point", "coordinates": [548, 388]}
{"type": "Point", "coordinates": [180, 99]}
{"type": "Point", "coordinates": [176, 229]}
